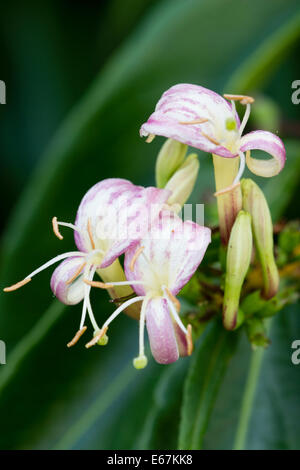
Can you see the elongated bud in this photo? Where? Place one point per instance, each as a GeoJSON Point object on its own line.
{"type": "Point", "coordinates": [230, 202]}
{"type": "Point", "coordinates": [255, 203]}
{"type": "Point", "coordinates": [183, 181]}
{"type": "Point", "coordinates": [237, 264]}
{"type": "Point", "coordinates": [169, 159]}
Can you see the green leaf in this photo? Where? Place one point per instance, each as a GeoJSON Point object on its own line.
{"type": "Point", "coordinates": [209, 363]}
{"type": "Point", "coordinates": [266, 415]}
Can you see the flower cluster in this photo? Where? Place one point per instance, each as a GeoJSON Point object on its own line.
{"type": "Point", "coordinates": [162, 252]}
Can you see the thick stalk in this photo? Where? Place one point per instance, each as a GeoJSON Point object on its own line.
{"type": "Point", "coordinates": [230, 203]}
{"type": "Point", "coordinates": [115, 272]}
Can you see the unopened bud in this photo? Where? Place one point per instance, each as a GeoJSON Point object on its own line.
{"type": "Point", "coordinates": [237, 264]}
{"type": "Point", "coordinates": [169, 159]}
{"type": "Point", "coordinates": [255, 203]}
{"type": "Point", "coordinates": [183, 181]}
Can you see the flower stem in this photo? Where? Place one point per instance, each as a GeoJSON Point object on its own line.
{"type": "Point", "coordinates": [249, 395]}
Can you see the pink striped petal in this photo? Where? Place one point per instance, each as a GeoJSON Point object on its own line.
{"type": "Point", "coordinates": [68, 294]}
{"type": "Point", "coordinates": [119, 213]}
{"type": "Point", "coordinates": [172, 252]}
{"type": "Point", "coordinates": [270, 143]}
{"type": "Point", "coordinates": [161, 331]}
{"type": "Point", "coordinates": [186, 102]}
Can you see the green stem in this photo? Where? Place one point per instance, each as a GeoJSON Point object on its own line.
{"type": "Point", "coordinates": [249, 395]}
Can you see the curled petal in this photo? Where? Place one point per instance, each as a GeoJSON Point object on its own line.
{"type": "Point", "coordinates": [119, 213]}
{"type": "Point", "coordinates": [270, 143]}
{"type": "Point", "coordinates": [172, 252]}
{"type": "Point", "coordinates": [184, 103]}
{"type": "Point", "coordinates": [161, 331]}
{"type": "Point", "coordinates": [68, 293]}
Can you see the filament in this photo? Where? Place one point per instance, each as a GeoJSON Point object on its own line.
{"type": "Point", "coordinates": [174, 312]}
{"type": "Point", "coordinates": [121, 308]}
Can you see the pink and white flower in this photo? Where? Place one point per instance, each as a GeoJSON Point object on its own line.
{"type": "Point", "coordinates": [157, 268]}
{"type": "Point", "coordinates": [201, 118]}
{"type": "Point", "coordinates": [100, 212]}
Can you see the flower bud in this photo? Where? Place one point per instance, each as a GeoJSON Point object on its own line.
{"type": "Point", "coordinates": [237, 264]}
{"type": "Point", "coordinates": [255, 203]}
{"type": "Point", "coordinates": [169, 159]}
{"type": "Point", "coordinates": [183, 181]}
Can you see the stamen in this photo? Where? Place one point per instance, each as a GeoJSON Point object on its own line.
{"type": "Point", "coordinates": [17, 285]}
{"type": "Point", "coordinates": [245, 119]}
{"type": "Point", "coordinates": [76, 274]}
{"type": "Point", "coordinates": [150, 138]}
{"type": "Point", "coordinates": [104, 285]}
{"type": "Point", "coordinates": [76, 337]}
{"type": "Point", "coordinates": [210, 139]}
{"type": "Point", "coordinates": [96, 338]}
{"type": "Point", "coordinates": [121, 308]}
{"type": "Point", "coordinates": [89, 228]}
{"type": "Point", "coordinates": [86, 300]}
{"type": "Point", "coordinates": [56, 229]}
{"type": "Point", "coordinates": [174, 311]}
{"type": "Point", "coordinates": [241, 168]}
{"type": "Point", "coordinates": [135, 257]}
{"type": "Point", "coordinates": [174, 299]}
{"type": "Point", "coordinates": [41, 268]}
{"type": "Point", "coordinates": [189, 338]}
{"type": "Point", "coordinates": [244, 99]}
{"type": "Point", "coordinates": [196, 121]}
{"type": "Point", "coordinates": [226, 190]}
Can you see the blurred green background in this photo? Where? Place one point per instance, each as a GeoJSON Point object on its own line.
{"type": "Point", "coordinates": [81, 78]}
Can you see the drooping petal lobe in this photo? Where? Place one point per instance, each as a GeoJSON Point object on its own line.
{"type": "Point", "coordinates": [161, 331]}
{"type": "Point", "coordinates": [68, 293]}
{"type": "Point", "coordinates": [270, 143]}
{"type": "Point", "coordinates": [119, 214]}
{"type": "Point", "coordinates": [187, 103]}
{"type": "Point", "coordinates": [171, 254]}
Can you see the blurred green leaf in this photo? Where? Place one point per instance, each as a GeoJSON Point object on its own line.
{"type": "Point", "coordinates": [209, 362]}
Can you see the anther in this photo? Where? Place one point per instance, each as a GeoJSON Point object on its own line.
{"type": "Point", "coordinates": [227, 190]}
{"type": "Point", "coordinates": [17, 285]}
{"type": "Point", "coordinates": [243, 99]}
{"type": "Point", "coordinates": [135, 257]}
{"type": "Point", "coordinates": [190, 345]}
{"type": "Point", "coordinates": [173, 299]}
{"type": "Point", "coordinates": [96, 338]}
{"type": "Point", "coordinates": [76, 274]}
{"type": "Point", "coordinates": [89, 229]}
{"type": "Point", "coordinates": [76, 337]}
{"type": "Point", "coordinates": [210, 139]}
{"type": "Point", "coordinates": [101, 285]}
{"type": "Point", "coordinates": [56, 229]}
{"type": "Point", "coordinates": [196, 121]}
{"type": "Point", "coordinates": [150, 138]}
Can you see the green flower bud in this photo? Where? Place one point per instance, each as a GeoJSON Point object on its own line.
{"type": "Point", "coordinates": [169, 159]}
{"type": "Point", "coordinates": [237, 264]}
{"type": "Point", "coordinates": [255, 203]}
{"type": "Point", "coordinates": [183, 181]}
